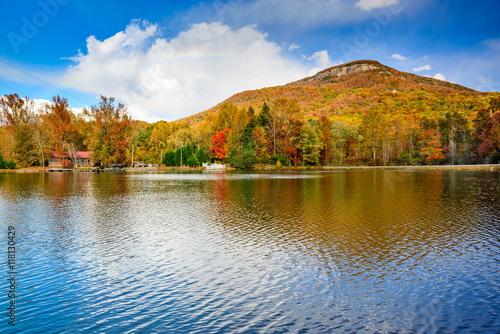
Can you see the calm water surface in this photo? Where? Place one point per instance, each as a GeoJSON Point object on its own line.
{"type": "Point", "coordinates": [317, 252]}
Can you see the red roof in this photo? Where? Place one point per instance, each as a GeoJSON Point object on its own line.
{"type": "Point", "coordinates": [78, 154]}
{"type": "Point", "coordinates": [83, 154]}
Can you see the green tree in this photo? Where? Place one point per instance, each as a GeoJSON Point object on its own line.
{"type": "Point", "coordinates": [309, 143]}
{"type": "Point", "coordinates": [188, 156]}
{"type": "Point", "coordinates": [243, 157]}
{"type": "Point", "coordinates": [17, 114]}
{"type": "Point", "coordinates": [246, 137]}
{"type": "Point", "coordinates": [23, 148]}
{"type": "Point", "coordinates": [264, 115]}
{"type": "Point", "coordinates": [201, 156]}
{"type": "Point", "coordinates": [169, 158]}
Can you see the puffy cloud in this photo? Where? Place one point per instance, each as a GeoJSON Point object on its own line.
{"type": "Point", "coordinates": [439, 76]}
{"type": "Point", "coordinates": [39, 106]}
{"type": "Point", "coordinates": [322, 61]}
{"type": "Point", "coordinates": [293, 46]}
{"type": "Point", "coordinates": [169, 79]}
{"type": "Point", "coordinates": [398, 57]}
{"type": "Point", "coordinates": [321, 58]}
{"type": "Point", "coordinates": [372, 4]}
{"type": "Point", "coordinates": [422, 68]}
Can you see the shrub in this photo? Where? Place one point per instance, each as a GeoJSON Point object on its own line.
{"type": "Point", "coordinates": [10, 164]}
{"type": "Point", "coordinates": [243, 158]}
{"type": "Point", "coordinates": [7, 164]}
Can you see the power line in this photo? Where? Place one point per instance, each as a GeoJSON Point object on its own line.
{"type": "Point", "coordinates": [17, 90]}
{"type": "Point", "coordinates": [45, 82]}
{"type": "Point", "coordinates": [25, 94]}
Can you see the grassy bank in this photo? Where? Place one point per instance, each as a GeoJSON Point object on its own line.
{"type": "Point", "coordinates": [283, 168]}
{"type": "Point", "coordinates": [436, 167]}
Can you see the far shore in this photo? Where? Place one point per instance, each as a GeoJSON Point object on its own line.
{"type": "Point", "coordinates": [484, 167]}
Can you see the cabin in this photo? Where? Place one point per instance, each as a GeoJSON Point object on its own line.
{"type": "Point", "coordinates": [83, 158]}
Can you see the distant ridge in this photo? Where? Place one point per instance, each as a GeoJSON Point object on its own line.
{"type": "Point", "coordinates": [373, 70]}
{"type": "Point", "coordinates": [335, 89]}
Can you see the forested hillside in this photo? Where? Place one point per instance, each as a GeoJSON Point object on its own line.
{"type": "Point", "coordinates": [361, 113]}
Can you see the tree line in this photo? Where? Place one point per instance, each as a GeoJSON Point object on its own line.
{"type": "Point", "coordinates": [384, 133]}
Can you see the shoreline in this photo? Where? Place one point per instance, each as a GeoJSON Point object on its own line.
{"type": "Point", "coordinates": [482, 167]}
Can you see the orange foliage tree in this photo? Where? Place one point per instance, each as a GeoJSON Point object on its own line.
{"type": "Point", "coordinates": [111, 126]}
{"type": "Point", "coordinates": [431, 149]}
{"type": "Point", "coordinates": [61, 125]}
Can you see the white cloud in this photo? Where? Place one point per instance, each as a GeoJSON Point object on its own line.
{"type": "Point", "coordinates": [439, 76]}
{"type": "Point", "coordinates": [169, 79]}
{"type": "Point", "coordinates": [398, 57]}
{"type": "Point", "coordinates": [39, 106]}
{"type": "Point", "coordinates": [322, 61]}
{"type": "Point", "coordinates": [372, 4]}
{"type": "Point", "coordinates": [321, 58]}
{"type": "Point", "coordinates": [293, 46]}
{"type": "Point", "coordinates": [422, 68]}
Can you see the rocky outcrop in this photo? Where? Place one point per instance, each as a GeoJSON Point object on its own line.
{"type": "Point", "coordinates": [340, 70]}
{"type": "Point", "coordinates": [343, 70]}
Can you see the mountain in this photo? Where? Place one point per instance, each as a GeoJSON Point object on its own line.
{"type": "Point", "coordinates": [349, 89]}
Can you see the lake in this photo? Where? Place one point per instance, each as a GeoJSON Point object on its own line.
{"type": "Point", "coordinates": [359, 251]}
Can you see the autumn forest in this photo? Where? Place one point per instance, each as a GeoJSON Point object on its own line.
{"type": "Point", "coordinates": [361, 113]}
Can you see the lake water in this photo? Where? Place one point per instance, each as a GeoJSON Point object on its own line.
{"type": "Point", "coordinates": [359, 251]}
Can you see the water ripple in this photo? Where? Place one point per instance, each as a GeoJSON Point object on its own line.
{"type": "Point", "coordinates": [349, 251]}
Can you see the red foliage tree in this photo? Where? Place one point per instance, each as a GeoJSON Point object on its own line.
{"type": "Point", "coordinates": [219, 144]}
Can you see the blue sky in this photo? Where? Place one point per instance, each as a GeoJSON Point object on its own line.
{"type": "Point", "coordinates": [169, 59]}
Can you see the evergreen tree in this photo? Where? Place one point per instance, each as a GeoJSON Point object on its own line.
{"type": "Point", "coordinates": [201, 156]}
{"type": "Point", "coordinates": [251, 112]}
{"type": "Point", "coordinates": [192, 161]}
{"type": "Point", "coordinates": [169, 158]}
{"type": "Point", "coordinates": [247, 136]}
{"type": "Point", "coordinates": [264, 115]}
